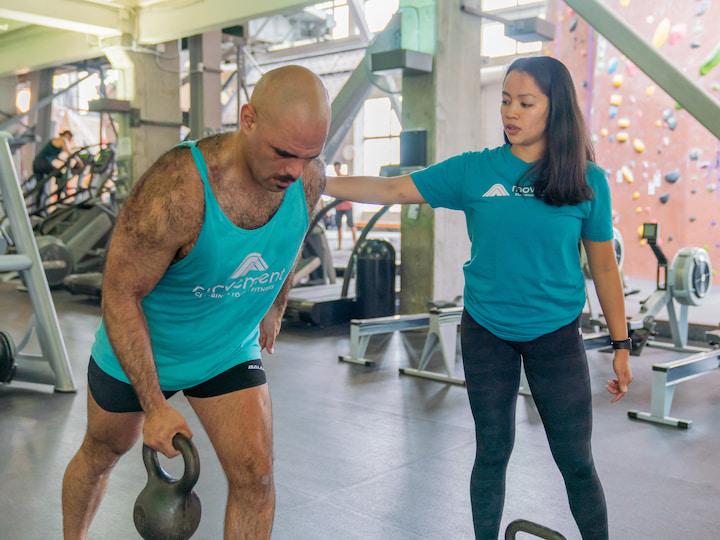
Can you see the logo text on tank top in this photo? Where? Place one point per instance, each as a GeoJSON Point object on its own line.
{"type": "Point", "coordinates": [262, 280]}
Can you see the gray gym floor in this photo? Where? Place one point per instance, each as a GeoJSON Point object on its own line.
{"type": "Point", "coordinates": [362, 453]}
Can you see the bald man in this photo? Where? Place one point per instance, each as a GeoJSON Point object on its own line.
{"type": "Point", "coordinates": [196, 281]}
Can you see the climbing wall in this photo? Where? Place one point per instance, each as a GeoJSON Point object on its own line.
{"type": "Point", "coordinates": [662, 164]}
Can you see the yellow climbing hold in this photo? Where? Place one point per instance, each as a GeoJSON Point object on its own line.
{"type": "Point", "coordinates": [624, 123]}
{"type": "Point", "coordinates": [603, 132]}
{"type": "Point", "coordinates": [636, 196]}
{"type": "Point", "coordinates": [639, 146]}
{"type": "Point", "coordinates": [624, 3]}
{"type": "Point", "coordinates": [639, 210]}
{"type": "Point", "coordinates": [640, 231]}
{"type": "Point", "coordinates": [617, 81]}
{"type": "Point", "coordinates": [616, 99]}
{"type": "Point", "coordinates": [650, 90]}
{"type": "Point", "coordinates": [661, 33]}
{"type": "Point", "coordinates": [643, 242]}
{"type": "Point", "coordinates": [622, 136]}
{"type": "Point", "coordinates": [627, 174]}
{"type": "Point", "coordinates": [658, 123]}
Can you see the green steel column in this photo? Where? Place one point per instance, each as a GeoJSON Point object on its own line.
{"type": "Point", "coordinates": [418, 112]}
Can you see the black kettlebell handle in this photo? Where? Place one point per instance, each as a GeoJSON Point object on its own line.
{"type": "Point", "coordinates": [190, 456]}
{"type": "Point", "coordinates": [523, 525]}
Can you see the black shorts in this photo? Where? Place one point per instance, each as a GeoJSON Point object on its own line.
{"type": "Point", "coordinates": [348, 218]}
{"type": "Point", "coordinates": [120, 397]}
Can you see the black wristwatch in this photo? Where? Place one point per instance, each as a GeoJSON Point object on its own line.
{"type": "Point", "coordinates": [621, 344]}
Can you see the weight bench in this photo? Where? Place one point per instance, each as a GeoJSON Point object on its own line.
{"type": "Point", "coordinates": [442, 326]}
{"type": "Point", "coordinates": [668, 375]}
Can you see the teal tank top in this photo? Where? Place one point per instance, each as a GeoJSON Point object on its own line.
{"type": "Point", "coordinates": [203, 314]}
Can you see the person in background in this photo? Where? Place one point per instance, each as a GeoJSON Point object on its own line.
{"type": "Point", "coordinates": [47, 160]}
{"type": "Point", "coordinates": [343, 209]}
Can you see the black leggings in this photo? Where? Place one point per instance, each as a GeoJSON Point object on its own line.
{"type": "Point", "coordinates": [557, 372]}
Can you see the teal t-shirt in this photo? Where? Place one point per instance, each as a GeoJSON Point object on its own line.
{"type": "Point", "coordinates": [203, 314]}
{"type": "Point", "coordinates": [523, 279]}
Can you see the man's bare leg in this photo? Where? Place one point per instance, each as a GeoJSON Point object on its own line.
{"type": "Point", "coordinates": [239, 425]}
{"type": "Point", "coordinates": [108, 437]}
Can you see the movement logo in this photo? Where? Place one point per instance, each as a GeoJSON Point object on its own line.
{"type": "Point", "coordinates": [250, 276]}
{"type": "Point", "coordinates": [498, 190]}
{"type": "Point", "coordinates": [253, 261]}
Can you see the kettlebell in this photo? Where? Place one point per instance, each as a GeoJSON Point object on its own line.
{"type": "Point", "coordinates": [168, 508]}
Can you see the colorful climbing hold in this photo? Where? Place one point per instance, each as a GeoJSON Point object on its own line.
{"type": "Point", "coordinates": [672, 176]}
{"type": "Point", "coordinates": [695, 154]}
{"type": "Point", "coordinates": [658, 123]}
{"type": "Point", "coordinates": [638, 210]}
{"type": "Point", "coordinates": [612, 111]}
{"type": "Point", "coordinates": [710, 62]}
{"type": "Point", "coordinates": [624, 123]}
{"type": "Point", "coordinates": [622, 137]}
{"type": "Point", "coordinates": [711, 187]}
{"type": "Point", "coordinates": [612, 65]}
{"type": "Point", "coordinates": [647, 209]}
{"type": "Point", "coordinates": [636, 195]}
{"type": "Point", "coordinates": [701, 8]}
{"type": "Point", "coordinates": [650, 90]}
{"type": "Point", "coordinates": [671, 123]}
{"type": "Point", "coordinates": [573, 24]}
{"type": "Point", "coordinates": [677, 33]}
{"type": "Point", "coordinates": [692, 219]}
{"type": "Point", "coordinates": [639, 146]}
{"type": "Point", "coordinates": [695, 44]}
{"type": "Point", "coordinates": [666, 141]}
{"type": "Point", "coordinates": [616, 100]}
{"type": "Point", "coordinates": [664, 198]}
{"type": "Point", "coordinates": [667, 113]}
{"type": "Point", "coordinates": [661, 33]}
{"type": "Point", "coordinates": [617, 81]}
{"type": "Point", "coordinates": [627, 174]}
{"type": "Point", "coordinates": [624, 3]}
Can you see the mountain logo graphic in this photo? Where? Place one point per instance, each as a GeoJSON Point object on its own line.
{"type": "Point", "coordinates": [498, 190]}
{"type": "Point", "coordinates": [253, 262]}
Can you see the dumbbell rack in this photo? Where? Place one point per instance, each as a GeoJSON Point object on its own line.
{"type": "Point", "coordinates": [52, 366]}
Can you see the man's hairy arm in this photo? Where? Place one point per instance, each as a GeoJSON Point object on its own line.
{"type": "Point", "coordinates": [313, 184]}
{"type": "Point", "coordinates": [161, 215]}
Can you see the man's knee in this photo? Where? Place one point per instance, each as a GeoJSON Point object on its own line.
{"type": "Point", "coordinates": [252, 473]}
{"type": "Point", "coordinates": [102, 454]}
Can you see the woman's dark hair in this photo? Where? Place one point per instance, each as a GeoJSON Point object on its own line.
{"type": "Point", "coordinates": [66, 132]}
{"type": "Point", "coordinates": [561, 173]}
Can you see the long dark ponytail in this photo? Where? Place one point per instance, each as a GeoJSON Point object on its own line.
{"type": "Point", "coordinates": [561, 173]}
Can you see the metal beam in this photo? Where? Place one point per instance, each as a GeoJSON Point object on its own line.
{"type": "Point", "coordinates": [689, 95]}
{"type": "Point", "coordinates": [88, 18]}
{"type": "Point", "coordinates": [357, 13]}
{"type": "Point", "coordinates": [34, 47]}
{"type": "Point", "coordinates": [159, 23]}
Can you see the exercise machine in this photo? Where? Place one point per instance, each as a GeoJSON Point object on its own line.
{"type": "Point", "coordinates": [52, 366]}
{"type": "Point", "coordinates": [332, 303]}
{"type": "Point", "coordinates": [666, 376]}
{"type": "Point", "coordinates": [684, 283]}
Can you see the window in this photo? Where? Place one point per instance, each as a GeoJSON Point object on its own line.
{"type": "Point", "coordinates": [379, 12]}
{"type": "Point", "coordinates": [381, 136]}
{"type": "Point", "coordinates": [494, 41]}
{"type": "Point", "coordinates": [341, 14]}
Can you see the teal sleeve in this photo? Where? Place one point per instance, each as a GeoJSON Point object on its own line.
{"type": "Point", "coordinates": [442, 184]}
{"type": "Point", "coordinates": [597, 226]}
